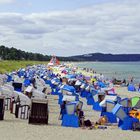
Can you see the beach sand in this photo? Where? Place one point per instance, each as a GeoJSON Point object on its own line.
{"type": "Point", "coordinates": [17, 129]}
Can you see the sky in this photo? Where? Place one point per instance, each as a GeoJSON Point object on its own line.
{"type": "Point", "coordinates": [71, 27]}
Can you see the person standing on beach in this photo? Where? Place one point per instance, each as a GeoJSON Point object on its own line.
{"type": "Point", "coordinates": [63, 110]}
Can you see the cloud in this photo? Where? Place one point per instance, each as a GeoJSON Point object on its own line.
{"type": "Point", "coordinates": [112, 27]}
{"type": "Point", "coordinates": [6, 1]}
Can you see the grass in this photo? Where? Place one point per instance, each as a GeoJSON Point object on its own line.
{"type": "Point", "coordinates": [8, 66]}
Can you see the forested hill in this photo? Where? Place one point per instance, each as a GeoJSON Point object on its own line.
{"type": "Point", "coordinates": [15, 54]}
{"type": "Point", "coordinates": [107, 57]}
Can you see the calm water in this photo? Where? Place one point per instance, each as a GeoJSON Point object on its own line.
{"type": "Point", "coordinates": [119, 70]}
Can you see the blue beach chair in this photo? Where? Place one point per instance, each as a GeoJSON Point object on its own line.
{"type": "Point", "coordinates": [70, 119]}
{"type": "Point", "coordinates": [125, 121]}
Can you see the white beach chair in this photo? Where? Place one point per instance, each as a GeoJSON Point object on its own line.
{"type": "Point", "coordinates": [23, 112]}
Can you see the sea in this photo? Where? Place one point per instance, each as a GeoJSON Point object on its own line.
{"type": "Point", "coordinates": [118, 70]}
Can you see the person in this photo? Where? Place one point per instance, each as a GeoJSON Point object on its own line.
{"type": "Point", "coordinates": [124, 81]}
{"type": "Point", "coordinates": [131, 80]}
{"type": "Point", "coordinates": [139, 87]}
{"type": "Point", "coordinates": [81, 117]}
{"type": "Point", "coordinates": [33, 81]}
{"type": "Point", "coordinates": [83, 123]}
{"type": "Point", "coordinates": [102, 120]}
{"type": "Point", "coordinates": [63, 110]}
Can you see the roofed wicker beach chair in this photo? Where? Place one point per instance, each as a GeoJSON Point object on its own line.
{"type": "Point", "coordinates": [2, 107]}
{"type": "Point", "coordinates": [39, 111]}
{"type": "Point", "coordinates": [70, 119]}
{"type": "Point", "coordinates": [125, 121]}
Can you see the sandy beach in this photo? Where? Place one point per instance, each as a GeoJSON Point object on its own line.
{"type": "Point", "coordinates": [17, 129]}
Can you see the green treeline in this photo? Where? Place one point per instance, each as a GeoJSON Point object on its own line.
{"type": "Point", "coordinates": [15, 54]}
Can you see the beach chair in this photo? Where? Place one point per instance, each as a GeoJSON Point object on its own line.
{"type": "Point", "coordinates": [108, 111]}
{"type": "Point", "coordinates": [38, 112]}
{"type": "Point", "coordinates": [7, 103]}
{"type": "Point", "coordinates": [84, 92]}
{"type": "Point", "coordinates": [27, 82]}
{"type": "Point", "coordinates": [70, 119]}
{"type": "Point", "coordinates": [90, 100]}
{"type": "Point", "coordinates": [7, 94]}
{"type": "Point", "coordinates": [38, 94]}
{"type": "Point", "coordinates": [97, 99]}
{"type": "Point", "coordinates": [17, 86]}
{"type": "Point", "coordinates": [69, 98]}
{"type": "Point", "coordinates": [131, 88]}
{"type": "Point", "coordinates": [126, 104]}
{"type": "Point", "coordinates": [109, 98]}
{"type": "Point", "coordinates": [125, 121]}
{"type": "Point", "coordinates": [2, 107]}
{"type": "Point", "coordinates": [60, 98]}
{"type": "Point", "coordinates": [23, 112]}
{"type": "Point", "coordinates": [13, 106]}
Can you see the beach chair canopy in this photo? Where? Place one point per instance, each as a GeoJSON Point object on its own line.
{"type": "Point", "coordinates": [55, 81]}
{"type": "Point", "coordinates": [69, 98]}
{"type": "Point", "coordinates": [68, 88]}
{"type": "Point", "coordinates": [135, 101]}
{"type": "Point", "coordinates": [38, 94]}
{"type": "Point", "coordinates": [101, 84]}
{"type": "Point", "coordinates": [24, 100]}
{"type": "Point", "coordinates": [80, 77]}
{"type": "Point", "coordinates": [119, 112]}
{"type": "Point", "coordinates": [131, 87]}
{"type": "Point", "coordinates": [93, 91]}
{"type": "Point", "coordinates": [124, 102]}
{"type": "Point", "coordinates": [10, 87]}
{"type": "Point", "coordinates": [87, 88]}
{"type": "Point", "coordinates": [29, 89]}
{"type": "Point", "coordinates": [83, 86]}
{"type": "Point", "coordinates": [27, 82]}
{"type": "Point", "coordinates": [88, 78]}
{"type": "Point", "coordinates": [78, 83]}
{"type": "Point", "coordinates": [71, 76]}
{"type": "Point", "coordinates": [6, 92]}
{"type": "Point", "coordinates": [108, 98]}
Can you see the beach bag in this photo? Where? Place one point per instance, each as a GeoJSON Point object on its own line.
{"type": "Point", "coordinates": [136, 126]}
{"type": "Point", "coordinates": [87, 123]}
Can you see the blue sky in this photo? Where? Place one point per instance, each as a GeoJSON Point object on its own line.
{"type": "Point", "coordinates": [29, 6]}
{"type": "Point", "coordinates": [71, 27]}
